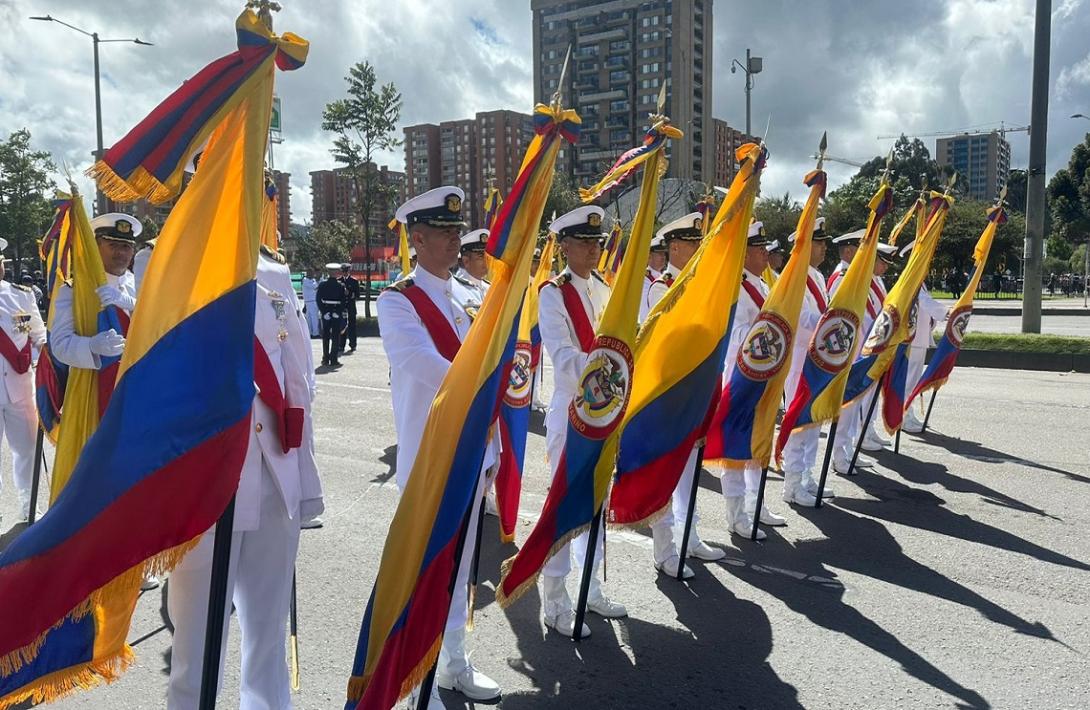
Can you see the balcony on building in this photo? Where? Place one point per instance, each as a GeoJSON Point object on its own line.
{"type": "Point", "coordinates": [595, 37]}
{"type": "Point", "coordinates": [603, 96]}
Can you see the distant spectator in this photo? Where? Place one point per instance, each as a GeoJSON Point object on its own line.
{"type": "Point", "coordinates": [1052, 284]}
{"type": "Point", "coordinates": [997, 283]}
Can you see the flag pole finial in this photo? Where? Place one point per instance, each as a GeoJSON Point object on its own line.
{"type": "Point", "coordinates": [264, 10]}
{"type": "Point", "coordinates": [1002, 197]}
{"type": "Point", "coordinates": [822, 147]}
{"type": "Point", "coordinates": [558, 96]}
{"type": "Point", "coordinates": [950, 183]}
{"type": "Point", "coordinates": [889, 167]}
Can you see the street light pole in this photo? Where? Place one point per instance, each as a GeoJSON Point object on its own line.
{"type": "Point", "coordinates": [1035, 183]}
{"type": "Point", "coordinates": [100, 199]}
{"type": "Point", "coordinates": [753, 65]}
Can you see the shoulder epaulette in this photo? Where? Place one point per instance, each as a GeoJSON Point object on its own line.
{"type": "Point", "coordinates": [558, 280]}
{"type": "Point", "coordinates": [598, 276]}
{"type": "Point", "coordinates": [274, 255]}
{"type": "Point", "coordinates": [21, 287]}
{"type": "Point", "coordinates": [464, 282]}
{"type": "Point", "coordinates": [399, 285]}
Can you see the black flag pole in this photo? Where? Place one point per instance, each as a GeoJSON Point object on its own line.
{"type": "Point", "coordinates": [825, 464]}
{"type": "Point", "coordinates": [294, 628]}
{"type": "Point", "coordinates": [897, 442]}
{"type": "Point", "coordinates": [475, 569]}
{"type": "Point", "coordinates": [864, 427]}
{"type": "Point", "coordinates": [588, 572]}
{"type": "Point", "coordinates": [217, 607]}
{"type": "Point", "coordinates": [760, 502]}
{"type": "Point", "coordinates": [927, 417]}
{"type": "Point", "coordinates": [35, 481]}
{"type": "Point", "coordinates": [689, 514]}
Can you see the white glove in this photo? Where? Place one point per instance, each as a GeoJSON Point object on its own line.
{"type": "Point", "coordinates": [112, 296]}
{"type": "Point", "coordinates": [108, 344]}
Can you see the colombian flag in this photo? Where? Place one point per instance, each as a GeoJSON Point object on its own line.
{"type": "Point", "coordinates": [515, 405]}
{"type": "Point", "coordinates": [403, 625]}
{"type": "Point", "coordinates": [836, 337]}
{"type": "Point", "coordinates": [946, 354]}
{"type": "Point", "coordinates": [51, 375]}
{"type": "Point", "coordinates": [165, 459]}
{"type": "Point", "coordinates": [582, 475]}
{"type": "Point", "coordinates": [679, 358]}
{"type": "Point", "coordinates": [741, 430]}
{"type": "Point", "coordinates": [402, 245]}
{"type": "Point", "coordinates": [897, 321]}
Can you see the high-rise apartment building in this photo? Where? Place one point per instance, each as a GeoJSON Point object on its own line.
{"type": "Point", "coordinates": [283, 200]}
{"type": "Point", "coordinates": [982, 159]}
{"type": "Point", "coordinates": [727, 141]}
{"type": "Point", "coordinates": [470, 153]}
{"type": "Point", "coordinates": [333, 197]}
{"type": "Point", "coordinates": [623, 51]}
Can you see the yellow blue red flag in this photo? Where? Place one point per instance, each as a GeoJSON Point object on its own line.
{"type": "Point", "coordinates": [51, 375]}
{"type": "Point", "coordinates": [403, 625]}
{"type": "Point", "coordinates": [836, 336]}
{"type": "Point", "coordinates": [166, 456]}
{"type": "Point", "coordinates": [581, 478]}
{"type": "Point", "coordinates": [679, 358]}
{"type": "Point", "coordinates": [896, 324]}
{"type": "Point", "coordinates": [741, 428]}
{"type": "Point", "coordinates": [514, 421]}
{"type": "Point", "coordinates": [946, 353]}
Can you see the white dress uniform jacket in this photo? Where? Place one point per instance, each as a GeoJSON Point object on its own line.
{"type": "Point", "coordinates": [71, 348]}
{"type": "Point", "coordinates": [480, 285]}
{"type": "Point", "coordinates": [745, 312]}
{"type": "Point", "coordinates": [648, 278]}
{"type": "Point", "coordinates": [21, 322]}
{"type": "Point", "coordinates": [658, 288]}
{"type": "Point", "coordinates": [275, 492]}
{"type": "Point", "coordinates": [140, 266]}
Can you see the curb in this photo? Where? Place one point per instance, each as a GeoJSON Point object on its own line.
{"type": "Point", "coordinates": [1008, 360]}
{"type": "Point", "coordinates": [999, 311]}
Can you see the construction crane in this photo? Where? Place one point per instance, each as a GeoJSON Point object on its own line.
{"type": "Point", "coordinates": [1002, 131]}
{"type": "Point", "coordinates": [835, 159]}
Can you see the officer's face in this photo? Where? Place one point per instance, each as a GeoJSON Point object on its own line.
{"type": "Point", "coordinates": [582, 254]}
{"type": "Point", "coordinates": [880, 267]}
{"type": "Point", "coordinates": [817, 252]}
{"type": "Point", "coordinates": [848, 252]}
{"type": "Point", "coordinates": [657, 260]}
{"type": "Point", "coordinates": [681, 250]}
{"type": "Point", "coordinates": [116, 256]}
{"type": "Point", "coordinates": [756, 259]}
{"type": "Point", "coordinates": [474, 262]}
{"type": "Point", "coordinates": [775, 260]}
{"type": "Point", "coordinates": [437, 248]}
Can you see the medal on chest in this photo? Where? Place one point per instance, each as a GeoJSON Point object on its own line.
{"type": "Point", "coordinates": [20, 323]}
{"type": "Point", "coordinates": [280, 310]}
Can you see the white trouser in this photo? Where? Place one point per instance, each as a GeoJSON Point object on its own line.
{"type": "Point", "coordinates": [916, 358]}
{"type": "Point", "coordinates": [560, 564]}
{"type": "Point", "coordinates": [314, 319]}
{"type": "Point", "coordinates": [735, 482]}
{"type": "Point", "coordinates": [679, 503]}
{"type": "Point", "coordinates": [20, 421]}
{"type": "Point", "coordinates": [800, 453]}
{"type": "Point", "coordinates": [259, 582]}
{"type": "Point", "coordinates": [847, 428]}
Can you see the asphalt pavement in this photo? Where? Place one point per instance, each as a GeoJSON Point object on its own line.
{"type": "Point", "coordinates": [954, 575]}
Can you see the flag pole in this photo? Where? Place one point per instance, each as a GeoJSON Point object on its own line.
{"type": "Point", "coordinates": [689, 514]}
{"type": "Point", "coordinates": [927, 417]}
{"type": "Point", "coordinates": [463, 533]}
{"type": "Point", "coordinates": [825, 463]}
{"type": "Point", "coordinates": [39, 455]}
{"type": "Point", "coordinates": [760, 502]}
{"type": "Point", "coordinates": [472, 596]}
{"type": "Point", "coordinates": [217, 607]}
{"type": "Point", "coordinates": [863, 428]}
{"type": "Point", "coordinates": [588, 572]}
{"type": "Point", "coordinates": [897, 442]}
{"type": "Point", "coordinates": [294, 625]}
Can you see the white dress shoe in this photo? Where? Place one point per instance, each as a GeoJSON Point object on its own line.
{"type": "Point", "coordinates": [872, 444]}
{"type": "Point", "coordinates": [794, 490]}
{"type": "Point", "coordinates": [563, 622]}
{"type": "Point", "coordinates": [811, 484]}
{"type": "Point", "coordinates": [703, 551]}
{"type": "Point", "coordinates": [861, 463]}
{"type": "Point", "coordinates": [607, 608]}
{"type": "Point", "coordinates": [470, 682]}
{"type": "Point", "coordinates": [669, 568]}
{"type": "Point", "coordinates": [739, 521]}
{"type": "Point", "coordinates": [770, 518]}
{"type": "Point", "coordinates": [912, 423]}
{"type": "Point", "coordinates": [312, 523]}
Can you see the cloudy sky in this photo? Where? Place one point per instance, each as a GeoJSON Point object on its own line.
{"type": "Point", "coordinates": [858, 70]}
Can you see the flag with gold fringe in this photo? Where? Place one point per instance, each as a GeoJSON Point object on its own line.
{"type": "Point", "coordinates": [679, 358]}
{"type": "Point", "coordinates": [403, 625]}
{"type": "Point", "coordinates": [51, 375]}
{"type": "Point", "coordinates": [897, 320]}
{"type": "Point", "coordinates": [402, 245]}
{"type": "Point", "coordinates": [741, 428]}
{"type": "Point", "coordinates": [165, 458]}
{"type": "Point", "coordinates": [582, 476]}
{"type": "Point", "coordinates": [514, 420]}
{"type": "Point", "coordinates": [946, 353]}
{"type": "Point", "coordinates": [835, 342]}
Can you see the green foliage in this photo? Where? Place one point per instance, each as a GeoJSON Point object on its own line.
{"type": "Point", "coordinates": [1069, 197]}
{"type": "Point", "coordinates": [1027, 343]}
{"type": "Point", "coordinates": [322, 244]}
{"type": "Point", "coordinates": [1059, 248]}
{"type": "Point", "coordinates": [364, 123]}
{"type": "Point", "coordinates": [1077, 262]}
{"type": "Point", "coordinates": [25, 192]}
{"type": "Point", "coordinates": [563, 197]}
{"type": "Point", "coordinates": [1017, 191]}
{"type": "Point", "coordinates": [780, 216]}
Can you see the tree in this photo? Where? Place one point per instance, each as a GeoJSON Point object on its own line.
{"type": "Point", "coordinates": [365, 123]}
{"type": "Point", "coordinates": [780, 216]}
{"type": "Point", "coordinates": [563, 197]}
{"type": "Point", "coordinates": [1069, 197]}
{"type": "Point", "coordinates": [911, 161]}
{"type": "Point", "coordinates": [25, 187]}
{"type": "Point", "coordinates": [324, 243]}
{"type": "Point", "coordinates": [1017, 190]}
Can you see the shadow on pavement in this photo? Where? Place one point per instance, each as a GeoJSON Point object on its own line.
{"type": "Point", "coordinates": [905, 505]}
{"type": "Point", "coordinates": [978, 452]}
{"type": "Point", "coordinates": [633, 663]}
{"type": "Point", "coordinates": [802, 577]}
{"type": "Point", "coordinates": [389, 458]}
